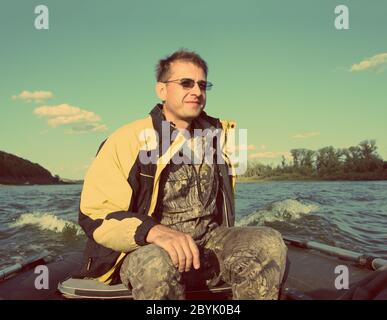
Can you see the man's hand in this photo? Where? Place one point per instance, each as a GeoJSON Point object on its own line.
{"type": "Point", "coordinates": [180, 246]}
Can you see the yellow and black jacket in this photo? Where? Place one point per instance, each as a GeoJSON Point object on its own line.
{"type": "Point", "coordinates": [120, 192]}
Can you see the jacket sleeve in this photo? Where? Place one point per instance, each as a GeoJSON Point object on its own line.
{"type": "Point", "coordinates": [106, 197]}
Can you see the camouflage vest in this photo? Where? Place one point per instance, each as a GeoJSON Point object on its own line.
{"type": "Point", "coordinates": [188, 195]}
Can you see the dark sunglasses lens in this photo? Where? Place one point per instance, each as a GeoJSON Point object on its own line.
{"type": "Point", "coordinates": [187, 83]}
{"type": "Point", "coordinates": [190, 83]}
{"type": "Point", "coordinates": [206, 85]}
{"type": "Point", "coordinates": [202, 85]}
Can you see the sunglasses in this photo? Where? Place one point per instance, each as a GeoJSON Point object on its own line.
{"type": "Point", "coordinates": [187, 83]}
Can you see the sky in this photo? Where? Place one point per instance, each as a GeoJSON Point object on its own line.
{"type": "Point", "coordinates": [280, 69]}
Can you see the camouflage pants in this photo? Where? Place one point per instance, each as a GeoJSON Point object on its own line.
{"type": "Point", "coordinates": [250, 259]}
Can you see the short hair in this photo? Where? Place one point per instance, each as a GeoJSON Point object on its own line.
{"type": "Point", "coordinates": [163, 68]}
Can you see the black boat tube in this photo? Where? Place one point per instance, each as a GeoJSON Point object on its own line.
{"type": "Point", "coordinates": [28, 262]}
{"type": "Point", "coordinates": [364, 260]}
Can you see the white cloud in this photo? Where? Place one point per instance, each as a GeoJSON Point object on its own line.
{"type": "Point", "coordinates": [376, 62]}
{"type": "Point", "coordinates": [87, 127]}
{"type": "Point", "coordinates": [270, 155]}
{"type": "Point", "coordinates": [36, 96]}
{"type": "Point", "coordinates": [65, 114]}
{"type": "Point", "coordinates": [245, 147]}
{"type": "Point", "coordinates": [305, 135]}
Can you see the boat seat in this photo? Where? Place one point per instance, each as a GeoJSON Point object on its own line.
{"type": "Point", "coordinates": [93, 289]}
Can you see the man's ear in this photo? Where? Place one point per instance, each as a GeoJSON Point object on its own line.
{"type": "Point", "coordinates": [161, 91]}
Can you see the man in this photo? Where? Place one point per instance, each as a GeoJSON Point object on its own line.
{"type": "Point", "coordinates": [162, 224]}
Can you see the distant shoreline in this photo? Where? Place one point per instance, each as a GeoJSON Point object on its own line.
{"type": "Point", "coordinates": [16, 171]}
{"type": "Point", "coordinates": [239, 180]}
{"type": "Point", "coordinates": [2, 183]}
{"type": "Point", "coordinates": [299, 178]}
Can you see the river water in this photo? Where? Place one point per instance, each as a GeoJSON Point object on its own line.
{"type": "Point", "coordinates": [351, 215]}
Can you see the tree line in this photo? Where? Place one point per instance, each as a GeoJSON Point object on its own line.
{"type": "Point", "coordinates": [360, 162]}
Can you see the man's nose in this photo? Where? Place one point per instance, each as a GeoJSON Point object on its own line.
{"type": "Point", "coordinates": [196, 89]}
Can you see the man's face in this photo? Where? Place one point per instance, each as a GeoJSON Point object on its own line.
{"type": "Point", "coordinates": [184, 103]}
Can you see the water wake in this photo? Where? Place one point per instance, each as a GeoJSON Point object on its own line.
{"type": "Point", "coordinates": [48, 221]}
{"type": "Point", "coordinates": [283, 210]}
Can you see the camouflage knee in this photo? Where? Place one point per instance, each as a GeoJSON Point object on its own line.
{"type": "Point", "coordinates": [254, 263]}
{"type": "Point", "coordinates": [151, 275]}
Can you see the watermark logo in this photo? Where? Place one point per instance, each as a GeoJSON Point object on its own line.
{"type": "Point", "coordinates": [202, 146]}
{"type": "Point", "coordinates": [342, 20]}
{"type": "Point", "coordinates": [342, 280]}
{"type": "Point", "coordinates": [41, 20]}
{"type": "Point", "coordinates": [41, 281]}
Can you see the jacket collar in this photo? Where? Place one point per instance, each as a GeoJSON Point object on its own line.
{"type": "Point", "coordinates": [203, 121]}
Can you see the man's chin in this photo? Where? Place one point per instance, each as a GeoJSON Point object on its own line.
{"type": "Point", "coordinates": [192, 114]}
{"type": "Point", "coordinates": [193, 109]}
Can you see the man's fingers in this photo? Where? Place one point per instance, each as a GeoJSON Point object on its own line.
{"type": "Point", "coordinates": [195, 253]}
{"type": "Point", "coordinates": [181, 247]}
{"type": "Point", "coordinates": [173, 254]}
{"type": "Point", "coordinates": [188, 254]}
{"type": "Point", "coordinates": [181, 256]}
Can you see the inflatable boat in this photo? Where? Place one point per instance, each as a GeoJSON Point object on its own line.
{"type": "Point", "coordinates": [315, 271]}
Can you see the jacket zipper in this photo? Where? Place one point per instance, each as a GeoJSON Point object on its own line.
{"type": "Point", "coordinates": [225, 209]}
